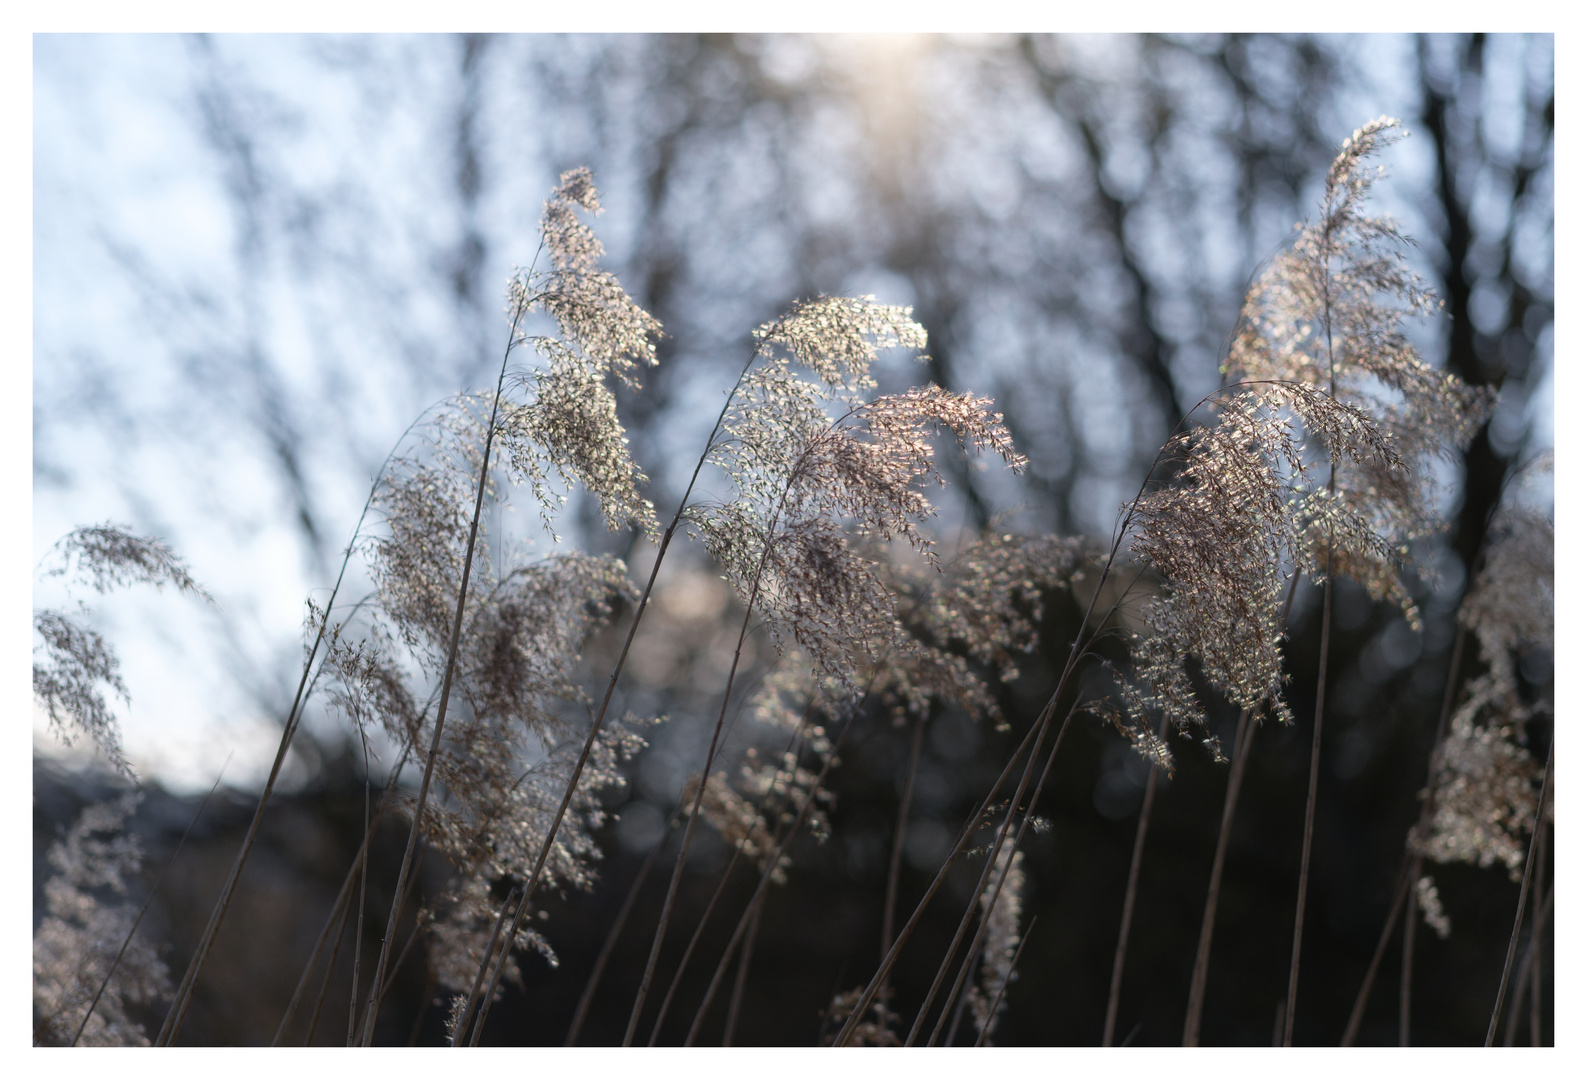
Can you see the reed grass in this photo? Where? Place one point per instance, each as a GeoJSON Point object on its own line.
{"type": "Point", "coordinates": [1312, 459]}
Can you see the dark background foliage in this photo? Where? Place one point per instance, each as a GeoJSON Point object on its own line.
{"type": "Point", "coordinates": [1074, 221]}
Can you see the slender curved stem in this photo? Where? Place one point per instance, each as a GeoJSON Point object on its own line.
{"type": "Point", "coordinates": [1035, 735]}
{"type": "Point", "coordinates": [332, 920]}
{"type": "Point", "coordinates": [341, 897]}
{"type": "Point", "coordinates": [1534, 953]}
{"type": "Point", "coordinates": [1408, 950]}
{"type": "Point", "coordinates": [688, 952]}
{"type": "Point", "coordinates": [1245, 734]}
{"type": "Point", "coordinates": [490, 949]}
{"type": "Point", "coordinates": [1039, 729]}
{"type": "Point", "coordinates": [961, 1003]}
{"type": "Point", "coordinates": [379, 991]}
{"type": "Point", "coordinates": [1423, 822]}
{"type": "Point", "coordinates": [765, 812]}
{"type": "Point", "coordinates": [895, 865]}
{"type": "Point", "coordinates": [676, 880]}
{"type": "Point", "coordinates": [1532, 964]}
{"type": "Point", "coordinates": [363, 889]}
{"type": "Point", "coordinates": [991, 904]}
{"type": "Point", "coordinates": [1410, 867]}
{"type": "Point", "coordinates": [1311, 804]}
{"type": "Point", "coordinates": [737, 999]}
{"type": "Point", "coordinates": [710, 757]}
{"type": "Point", "coordinates": [765, 878]}
{"type": "Point", "coordinates": [330, 968]}
{"type": "Point", "coordinates": [1520, 906]}
{"type": "Point", "coordinates": [1322, 654]}
{"type": "Point", "coordinates": [424, 1004]}
{"type": "Point", "coordinates": [402, 954]}
{"type": "Point", "coordinates": [1136, 853]}
{"type": "Point", "coordinates": [874, 987]}
{"type": "Point", "coordinates": [1402, 884]}
{"type": "Point", "coordinates": [583, 1010]}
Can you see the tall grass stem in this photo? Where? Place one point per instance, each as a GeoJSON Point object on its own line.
{"type": "Point", "coordinates": [1520, 906]}
{"type": "Point", "coordinates": [1130, 887]}
{"type": "Point", "coordinates": [1311, 799]}
{"type": "Point", "coordinates": [1244, 736]}
{"type": "Point", "coordinates": [601, 959]}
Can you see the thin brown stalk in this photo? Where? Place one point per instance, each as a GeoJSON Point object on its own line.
{"type": "Point", "coordinates": [1244, 736]}
{"type": "Point", "coordinates": [490, 950]}
{"type": "Point", "coordinates": [1311, 802]}
{"type": "Point", "coordinates": [765, 879]}
{"type": "Point", "coordinates": [1532, 965]}
{"type": "Point", "coordinates": [737, 1000]}
{"type": "Point", "coordinates": [184, 994]}
{"type": "Point", "coordinates": [1322, 677]}
{"type": "Point", "coordinates": [961, 1002]}
{"type": "Point", "coordinates": [341, 897]}
{"type": "Point", "coordinates": [968, 828]}
{"type": "Point", "coordinates": [1520, 907]}
{"type": "Point", "coordinates": [1407, 954]}
{"type": "Point", "coordinates": [991, 903]}
{"type": "Point", "coordinates": [1136, 853]}
{"type": "Point", "coordinates": [765, 811]}
{"type": "Point", "coordinates": [1411, 866]}
{"type": "Point", "coordinates": [402, 954]}
{"type": "Point", "coordinates": [959, 992]}
{"type": "Point", "coordinates": [1035, 734]}
{"type": "Point", "coordinates": [1534, 955]}
{"type": "Point", "coordinates": [612, 935]}
{"type": "Point", "coordinates": [413, 935]}
{"type": "Point", "coordinates": [1519, 994]}
{"type": "Point", "coordinates": [424, 1004]}
{"type": "Point", "coordinates": [378, 993]}
{"type": "Point", "coordinates": [694, 940]}
{"type": "Point", "coordinates": [895, 864]}
{"type": "Point", "coordinates": [1038, 730]}
{"type": "Point", "coordinates": [144, 910]}
{"type": "Point", "coordinates": [710, 755]}
{"type": "Point", "coordinates": [751, 914]}
{"type": "Point", "coordinates": [325, 980]}
{"type": "Point", "coordinates": [750, 917]}
{"type": "Point", "coordinates": [332, 920]}
{"type": "Point", "coordinates": [688, 832]}
{"type": "Point", "coordinates": [1424, 820]}
{"type": "Point", "coordinates": [1245, 733]}
{"type": "Point", "coordinates": [1402, 885]}
{"type": "Point", "coordinates": [1013, 964]}
{"type": "Point", "coordinates": [363, 889]}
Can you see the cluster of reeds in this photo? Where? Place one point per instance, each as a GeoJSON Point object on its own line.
{"type": "Point", "coordinates": [1316, 460]}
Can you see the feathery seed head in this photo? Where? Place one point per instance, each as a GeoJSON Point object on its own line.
{"type": "Point", "coordinates": [87, 919]}
{"type": "Point", "coordinates": [1002, 937]}
{"type": "Point", "coordinates": [1320, 354]}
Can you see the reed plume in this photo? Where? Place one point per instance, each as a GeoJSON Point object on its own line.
{"type": "Point", "coordinates": [87, 918]}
